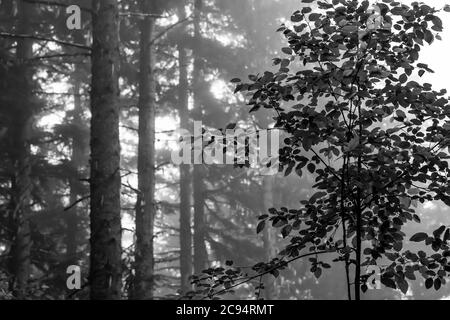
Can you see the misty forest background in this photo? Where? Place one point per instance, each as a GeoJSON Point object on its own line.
{"type": "Point", "coordinates": [61, 116]}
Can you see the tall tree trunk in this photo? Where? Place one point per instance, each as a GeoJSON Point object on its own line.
{"type": "Point", "coordinates": [185, 179]}
{"type": "Point", "coordinates": [358, 213]}
{"type": "Point", "coordinates": [73, 215]}
{"type": "Point", "coordinates": [200, 252]}
{"type": "Point", "coordinates": [105, 258]}
{"type": "Point", "coordinates": [145, 206]}
{"type": "Point", "coordinates": [78, 160]}
{"type": "Point", "coordinates": [21, 182]}
{"type": "Point", "coordinates": [268, 237]}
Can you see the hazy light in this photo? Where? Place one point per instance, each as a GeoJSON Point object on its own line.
{"type": "Point", "coordinates": [219, 89]}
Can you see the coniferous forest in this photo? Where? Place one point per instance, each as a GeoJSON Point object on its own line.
{"type": "Point", "coordinates": [224, 149]}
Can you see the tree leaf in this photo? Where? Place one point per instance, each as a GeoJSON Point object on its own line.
{"type": "Point", "coordinates": [318, 273]}
{"type": "Point", "coordinates": [402, 285]}
{"type": "Point", "coordinates": [260, 226]}
{"type": "Point", "coordinates": [286, 230]}
{"type": "Point", "coordinates": [314, 16]}
{"type": "Point", "coordinates": [287, 50]}
{"type": "Point", "coordinates": [311, 167]}
{"type": "Point", "coordinates": [388, 282]}
{"type": "Point", "coordinates": [306, 10]}
{"type": "Point", "coordinates": [428, 283]}
{"type": "Point", "coordinates": [437, 284]}
{"type": "Point", "coordinates": [418, 237]}
{"type": "Point", "coordinates": [447, 235]}
{"type": "Point", "coordinates": [437, 233]}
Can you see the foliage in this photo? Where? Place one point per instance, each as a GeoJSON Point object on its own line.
{"type": "Point", "coordinates": [375, 139]}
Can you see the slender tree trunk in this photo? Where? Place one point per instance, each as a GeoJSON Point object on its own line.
{"type": "Point", "coordinates": [268, 238]}
{"type": "Point", "coordinates": [72, 218]}
{"type": "Point", "coordinates": [359, 230]}
{"type": "Point", "coordinates": [344, 228]}
{"type": "Point", "coordinates": [21, 184]}
{"type": "Point", "coordinates": [145, 206]}
{"type": "Point", "coordinates": [185, 178]}
{"type": "Point", "coordinates": [200, 252]}
{"type": "Point", "coordinates": [78, 160]}
{"type": "Point", "coordinates": [105, 258]}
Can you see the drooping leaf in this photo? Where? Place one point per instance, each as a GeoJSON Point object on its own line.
{"type": "Point", "coordinates": [402, 285]}
{"type": "Point", "coordinates": [260, 226]}
{"type": "Point", "coordinates": [428, 283]}
{"type": "Point", "coordinates": [438, 232]}
{"type": "Point", "coordinates": [418, 237]}
{"type": "Point", "coordinates": [437, 284]}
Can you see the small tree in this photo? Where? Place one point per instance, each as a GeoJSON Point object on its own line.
{"type": "Point", "coordinates": [375, 140]}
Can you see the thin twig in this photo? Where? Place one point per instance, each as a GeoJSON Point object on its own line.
{"type": "Point", "coordinates": [162, 33]}
{"type": "Point", "coordinates": [77, 202]}
{"type": "Point", "coordinates": [283, 263]}
{"type": "Point", "coordinates": [28, 36]}
{"type": "Point", "coordinates": [54, 3]}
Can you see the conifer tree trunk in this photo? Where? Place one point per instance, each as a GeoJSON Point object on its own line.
{"type": "Point", "coordinates": [185, 178]}
{"type": "Point", "coordinates": [77, 161]}
{"type": "Point", "coordinates": [21, 182]}
{"type": "Point", "coordinates": [200, 253]}
{"type": "Point", "coordinates": [268, 238]}
{"type": "Point", "coordinates": [73, 215]}
{"type": "Point", "coordinates": [78, 157]}
{"type": "Point", "coordinates": [105, 258]}
{"type": "Point", "coordinates": [145, 206]}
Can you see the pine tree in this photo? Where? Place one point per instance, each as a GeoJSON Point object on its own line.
{"type": "Point", "coordinates": [105, 272]}
{"type": "Point", "coordinates": [21, 182]}
{"type": "Point", "coordinates": [145, 206]}
{"type": "Point", "coordinates": [185, 174]}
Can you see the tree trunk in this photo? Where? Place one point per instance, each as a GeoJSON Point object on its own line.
{"type": "Point", "coordinates": [105, 258]}
{"type": "Point", "coordinates": [21, 182]}
{"type": "Point", "coordinates": [200, 253]}
{"type": "Point", "coordinates": [268, 238]}
{"type": "Point", "coordinates": [185, 179]}
{"type": "Point", "coordinates": [72, 216]}
{"type": "Point", "coordinates": [77, 162]}
{"type": "Point", "coordinates": [358, 213]}
{"type": "Point", "coordinates": [145, 206]}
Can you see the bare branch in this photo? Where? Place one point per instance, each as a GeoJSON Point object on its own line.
{"type": "Point", "coordinates": [140, 14]}
{"type": "Point", "coordinates": [283, 263]}
{"type": "Point", "coordinates": [61, 55]}
{"type": "Point", "coordinates": [57, 4]}
{"type": "Point", "coordinates": [77, 202]}
{"type": "Point", "coordinates": [162, 33]}
{"type": "Point", "coordinates": [27, 36]}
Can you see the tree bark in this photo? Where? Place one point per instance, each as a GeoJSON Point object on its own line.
{"type": "Point", "coordinates": [358, 212]}
{"type": "Point", "coordinates": [185, 169]}
{"type": "Point", "coordinates": [145, 206]}
{"type": "Point", "coordinates": [78, 161]}
{"type": "Point", "coordinates": [200, 252]}
{"type": "Point", "coordinates": [21, 182]}
{"type": "Point", "coordinates": [105, 258]}
{"type": "Point", "coordinates": [72, 216]}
